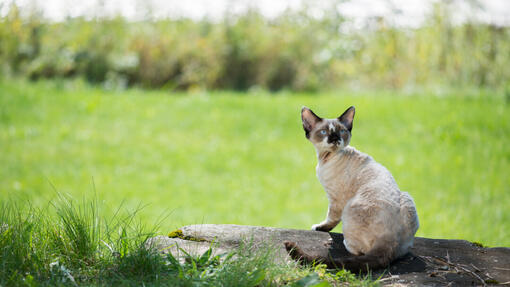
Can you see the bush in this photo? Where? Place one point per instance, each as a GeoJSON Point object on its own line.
{"type": "Point", "coordinates": [294, 51]}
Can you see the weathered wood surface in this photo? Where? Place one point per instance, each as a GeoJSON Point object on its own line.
{"type": "Point", "coordinates": [431, 262]}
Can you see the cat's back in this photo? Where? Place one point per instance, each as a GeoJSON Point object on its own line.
{"type": "Point", "coordinates": [351, 164]}
{"type": "Point", "coordinates": [373, 173]}
{"type": "Point", "coordinates": [350, 171]}
{"type": "Point", "coordinates": [353, 172]}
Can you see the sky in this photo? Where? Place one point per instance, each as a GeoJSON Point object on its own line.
{"type": "Point", "coordinates": [408, 12]}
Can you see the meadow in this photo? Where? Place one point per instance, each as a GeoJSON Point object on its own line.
{"type": "Point", "coordinates": [242, 158]}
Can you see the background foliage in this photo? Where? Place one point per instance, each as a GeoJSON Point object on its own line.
{"type": "Point", "coordinates": [294, 51]}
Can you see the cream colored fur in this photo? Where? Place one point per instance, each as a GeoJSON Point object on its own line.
{"type": "Point", "coordinates": [377, 217]}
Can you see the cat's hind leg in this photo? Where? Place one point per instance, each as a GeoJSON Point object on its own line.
{"type": "Point", "coordinates": [355, 250]}
{"type": "Point", "coordinates": [410, 223]}
{"type": "Point", "coordinates": [368, 223]}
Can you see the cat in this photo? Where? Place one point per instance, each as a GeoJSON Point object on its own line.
{"type": "Point", "coordinates": [378, 220]}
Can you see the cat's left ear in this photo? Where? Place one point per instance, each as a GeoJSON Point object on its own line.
{"type": "Point", "coordinates": [347, 117]}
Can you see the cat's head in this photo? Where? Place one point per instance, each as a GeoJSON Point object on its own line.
{"type": "Point", "coordinates": [328, 134]}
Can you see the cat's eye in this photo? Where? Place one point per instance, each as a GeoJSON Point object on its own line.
{"type": "Point", "coordinates": [323, 132]}
{"type": "Point", "coordinates": [342, 131]}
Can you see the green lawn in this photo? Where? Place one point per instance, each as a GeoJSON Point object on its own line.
{"type": "Point", "coordinates": [242, 158]}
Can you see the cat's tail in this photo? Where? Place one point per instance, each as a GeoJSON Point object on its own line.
{"type": "Point", "coordinates": [376, 259]}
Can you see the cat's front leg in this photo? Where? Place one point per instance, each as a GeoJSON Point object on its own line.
{"type": "Point", "coordinates": [332, 219]}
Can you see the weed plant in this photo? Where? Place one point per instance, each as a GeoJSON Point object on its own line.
{"type": "Point", "coordinates": [69, 244]}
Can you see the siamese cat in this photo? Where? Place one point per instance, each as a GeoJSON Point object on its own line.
{"type": "Point", "coordinates": [379, 220]}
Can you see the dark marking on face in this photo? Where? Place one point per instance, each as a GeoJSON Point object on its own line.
{"type": "Point", "coordinates": [334, 137]}
{"type": "Point", "coordinates": [338, 134]}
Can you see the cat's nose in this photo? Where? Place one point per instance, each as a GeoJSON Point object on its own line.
{"type": "Point", "coordinates": [334, 138]}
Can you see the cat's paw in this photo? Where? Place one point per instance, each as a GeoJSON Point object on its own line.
{"type": "Point", "coordinates": [321, 227]}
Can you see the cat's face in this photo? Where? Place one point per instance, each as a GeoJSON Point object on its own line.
{"type": "Point", "coordinates": [328, 134]}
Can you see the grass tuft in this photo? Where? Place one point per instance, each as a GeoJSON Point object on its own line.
{"type": "Point", "coordinates": [77, 232]}
{"type": "Point", "coordinates": [70, 244]}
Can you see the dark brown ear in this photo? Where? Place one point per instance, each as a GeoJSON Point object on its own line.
{"type": "Point", "coordinates": [347, 117]}
{"type": "Point", "coordinates": [309, 119]}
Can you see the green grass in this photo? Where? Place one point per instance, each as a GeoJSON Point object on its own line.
{"type": "Point", "coordinates": [69, 244]}
{"type": "Point", "coordinates": [242, 158]}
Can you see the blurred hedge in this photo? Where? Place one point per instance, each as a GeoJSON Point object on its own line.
{"type": "Point", "coordinates": [293, 51]}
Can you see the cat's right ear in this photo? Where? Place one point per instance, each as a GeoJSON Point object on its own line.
{"type": "Point", "coordinates": [310, 120]}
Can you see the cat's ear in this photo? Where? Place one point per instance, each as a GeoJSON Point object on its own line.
{"type": "Point", "coordinates": [347, 117]}
{"type": "Point", "coordinates": [309, 119]}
